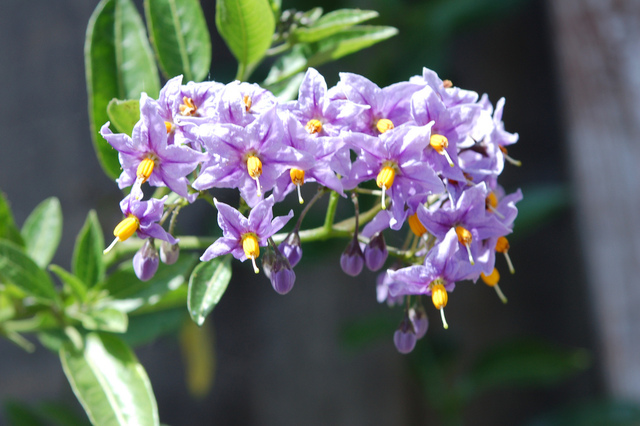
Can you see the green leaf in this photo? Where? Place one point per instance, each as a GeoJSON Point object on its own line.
{"type": "Point", "coordinates": [119, 64]}
{"type": "Point", "coordinates": [129, 293]}
{"type": "Point", "coordinates": [87, 262]}
{"type": "Point", "coordinates": [109, 382]}
{"type": "Point", "coordinates": [148, 327]}
{"type": "Point", "coordinates": [180, 37]}
{"type": "Point", "coordinates": [20, 270]}
{"type": "Point", "coordinates": [276, 7]}
{"type": "Point", "coordinates": [42, 231]}
{"type": "Point", "coordinates": [247, 26]}
{"type": "Point", "coordinates": [8, 229]}
{"type": "Point", "coordinates": [332, 23]}
{"type": "Point", "coordinates": [207, 284]}
{"type": "Point", "coordinates": [106, 319]}
{"type": "Point", "coordinates": [124, 114]}
{"type": "Point", "coordinates": [334, 47]}
{"type": "Point", "coordinates": [19, 414]}
{"type": "Point", "coordinates": [592, 413]}
{"type": "Point", "coordinates": [74, 284]}
{"type": "Point", "coordinates": [526, 362]}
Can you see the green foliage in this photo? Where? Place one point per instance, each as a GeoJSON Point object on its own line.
{"type": "Point", "coordinates": [592, 413]}
{"type": "Point", "coordinates": [180, 37]}
{"type": "Point", "coordinates": [109, 382]}
{"type": "Point", "coordinates": [42, 231]}
{"type": "Point", "coordinates": [87, 263]}
{"type": "Point", "coordinates": [119, 64]}
{"type": "Point", "coordinates": [207, 284]}
{"type": "Point", "coordinates": [124, 114]}
{"type": "Point", "coordinates": [19, 269]}
{"type": "Point", "coordinates": [331, 48]}
{"type": "Point", "coordinates": [8, 228]}
{"type": "Point", "coordinates": [332, 23]}
{"type": "Point", "coordinates": [247, 26]}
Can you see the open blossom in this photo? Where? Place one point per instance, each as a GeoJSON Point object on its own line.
{"type": "Point", "coordinates": [243, 237]}
{"type": "Point", "coordinates": [249, 158]}
{"type": "Point", "coordinates": [147, 156]}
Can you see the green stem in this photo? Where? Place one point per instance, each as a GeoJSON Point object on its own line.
{"type": "Point", "coordinates": [281, 48]}
{"type": "Point", "coordinates": [331, 211]}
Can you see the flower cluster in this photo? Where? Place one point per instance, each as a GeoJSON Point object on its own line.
{"type": "Point", "coordinates": [430, 152]}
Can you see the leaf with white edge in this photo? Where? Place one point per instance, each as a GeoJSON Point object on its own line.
{"type": "Point", "coordinates": [207, 284]}
{"type": "Point", "coordinates": [332, 23]}
{"type": "Point", "coordinates": [124, 114]}
{"type": "Point", "coordinates": [42, 230]}
{"type": "Point", "coordinates": [109, 382]}
{"type": "Point", "coordinates": [119, 64]}
{"type": "Point", "coordinates": [247, 26]}
{"type": "Point", "coordinates": [106, 319]}
{"type": "Point", "coordinates": [180, 37]}
{"type": "Point", "coordinates": [87, 263]}
{"type": "Point", "coordinates": [20, 270]}
{"type": "Point", "coordinates": [8, 229]}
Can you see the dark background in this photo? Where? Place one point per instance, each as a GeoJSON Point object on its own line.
{"type": "Point", "coordinates": [281, 360]}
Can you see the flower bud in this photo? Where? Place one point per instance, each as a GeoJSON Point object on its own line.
{"type": "Point", "coordinates": [169, 253]}
{"type": "Point", "coordinates": [418, 317]}
{"type": "Point", "coordinates": [405, 337]}
{"type": "Point", "coordinates": [375, 253]}
{"type": "Point", "coordinates": [291, 248]}
{"type": "Point", "coordinates": [146, 261]}
{"type": "Point", "coordinates": [352, 259]}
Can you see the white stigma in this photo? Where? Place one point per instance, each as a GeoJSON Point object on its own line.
{"type": "Point", "coordinates": [113, 243]}
{"type": "Point", "coordinates": [300, 200]}
{"type": "Point", "coordinates": [444, 320]}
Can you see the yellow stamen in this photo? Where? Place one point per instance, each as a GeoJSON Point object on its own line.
{"type": "Point", "coordinates": [492, 281]}
{"type": "Point", "coordinates": [502, 246]}
{"type": "Point", "coordinates": [169, 126]}
{"type": "Point", "coordinates": [440, 143]}
{"type": "Point", "coordinates": [254, 167]}
{"type": "Point", "coordinates": [384, 125]}
{"type": "Point", "coordinates": [187, 107]}
{"type": "Point", "coordinates": [512, 160]}
{"type": "Point", "coordinates": [385, 180]}
{"type": "Point", "coordinates": [123, 230]}
{"type": "Point", "coordinates": [251, 248]}
{"type": "Point", "coordinates": [247, 103]}
{"type": "Point", "coordinates": [447, 84]}
{"type": "Point", "coordinates": [439, 297]}
{"type": "Point", "coordinates": [465, 238]}
{"type": "Point", "coordinates": [313, 126]}
{"type": "Point", "coordinates": [492, 201]}
{"type": "Point", "coordinates": [145, 168]}
{"type": "Point", "coordinates": [416, 226]}
{"type": "Point", "coordinates": [297, 177]}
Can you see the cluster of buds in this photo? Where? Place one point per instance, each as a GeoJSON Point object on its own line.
{"type": "Point", "coordinates": [434, 151]}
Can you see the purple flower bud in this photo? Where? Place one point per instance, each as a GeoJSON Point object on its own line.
{"type": "Point", "coordinates": [146, 261]}
{"type": "Point", "coordinates": [291, 248]}
{"type": "Point", "coordinates": [418, 317]}
{"type": "Point", "coordinates": [283, 279]}
{"type": "Point", "coordinates": [405, 338]}
{"type": "Point", "coordinates": [375, 253]}
{"type": "Point", "coordinates": [169, 253]}
{"type": "Point", "coordinates": [352, 259]}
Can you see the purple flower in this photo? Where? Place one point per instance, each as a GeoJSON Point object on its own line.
{"type": "Point", "coordinates": [242, 236]}
{"type": "Point", "coordinates": [291, 248]}
{"type": "Point", "coordinates": [169, 253]}
{"type": "Point", "coordinates": [449, 94]}
{"type": "Point", "coordinates": [148, 156]}
{"type": "Point", "coordinates": [141, 217]}
{"type": "Point", "coordinates": [145, 261]}
{"type": "Point", "coordinates": [248, 158]}
{"type": "Point", "coordinates": [240, 103]}
{"type": "Point", "coordinates": [352, 259]}
{"type": "Point", "coordinates": [394, 159]}
{"type": "Point", "coordinates": [389, 106]}
{"type": "Point", "coordinates": [383, 281]}
{"type": "Point", "coordinates": [319, 152]}
{"type": "Point", "coordinates": [319, 114]}
{"type": "Point", "coordinates": [375, 253]}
